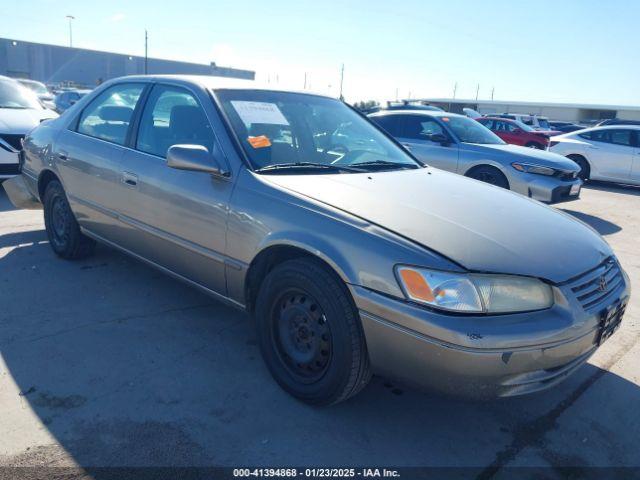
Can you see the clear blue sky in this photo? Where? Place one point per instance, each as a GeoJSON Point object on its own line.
{"type": "Point", "coordinates": [544, 50]}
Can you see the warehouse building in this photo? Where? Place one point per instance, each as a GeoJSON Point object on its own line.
{"type": "Point", "coordinates": [568, 112]}
{"type": "Point", "coordinates": [54, 64]}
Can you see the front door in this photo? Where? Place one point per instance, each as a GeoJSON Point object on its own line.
{"type": "Point", "coordinates": [611, 152]}
{"type": "Point", "coordinates": [415, 135]}
{"type": "Point", "coordinates": [178, 217]}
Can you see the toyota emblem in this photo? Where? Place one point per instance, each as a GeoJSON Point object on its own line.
{"type": "Point", "coordinates": [603, 284]}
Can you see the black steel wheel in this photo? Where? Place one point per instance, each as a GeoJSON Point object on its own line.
{"type": "Point", "coordinates": [310, 334]}
{"type": "Point", "coordinates": [63, 230]}
{"type": "Point", "coordinates": [301, 336]}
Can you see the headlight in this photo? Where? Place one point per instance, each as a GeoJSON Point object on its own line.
{"type": "Point", "coordinates": [474, 293]}
{"type": "Point", "coordinates": [530, 168]}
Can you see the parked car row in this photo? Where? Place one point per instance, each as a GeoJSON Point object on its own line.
{"type": "Point", "coordinates": [353, 255]}
{"type": "Point", "coordinates": [461, 145]}
{"type": "Point", "coordinates": [58, 101]}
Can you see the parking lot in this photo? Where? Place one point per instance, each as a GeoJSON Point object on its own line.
{"type": "Point", "coordinates": [108, 362]}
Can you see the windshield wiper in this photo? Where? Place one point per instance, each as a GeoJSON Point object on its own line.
{"type": "Point", "coordinates": [383, 164]}
{"type": "Point", "coordinates": [309, 166]}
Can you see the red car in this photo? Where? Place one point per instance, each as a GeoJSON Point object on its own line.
{"type": "Point", "coordinates": [517, 133]}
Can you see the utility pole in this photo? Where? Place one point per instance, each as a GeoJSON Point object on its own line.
{"type": "Point", "coordinates": [71, 18]}
{"type": "Point", "coordinates": [146, 52]}
{"type": "Point", "coordinates": [341, 81]}
{"type": "Point", "coordinates": [305, 81]}
{"type": "Point", "coordinates": [477, 91]}
{"type": "Point", "coordinates": [493, 89]}
{"type": "Point", "coordinates": [455, 89]}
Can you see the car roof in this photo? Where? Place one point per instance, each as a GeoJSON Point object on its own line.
{"type": "Point", "coordinates": [427, 113]}
{"type": "Point", "coordinates": [213, 83]}
{"type": "Point", "coordinates": [615, 127]}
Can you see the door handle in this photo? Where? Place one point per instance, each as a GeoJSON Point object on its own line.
{"type": "Point", "coordinates": [130, 179]}
{"type": "Point", "coordinates": [64, 156]}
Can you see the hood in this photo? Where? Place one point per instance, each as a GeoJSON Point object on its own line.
{"type": "Point", "coordinates": [22, 121]}
{"type": "Point", "coordinates": [481, 227]}
{"type": "Point", "coordinates": [525, 154]}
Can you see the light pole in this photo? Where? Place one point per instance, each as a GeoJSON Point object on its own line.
{"type": "Point", "coordinates": [71, 18]}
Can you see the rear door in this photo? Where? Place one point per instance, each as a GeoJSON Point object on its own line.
{"type": "Point", "coordinates": [178, 217]}
{"type": "Point", "coordinates": [611, 153]}
{"type": "Point", "coordinates": [634, 177]}
{"type": "Point", "coordinates": [415, 135]}
{"type": "Point", "coordinates": [88, 156]}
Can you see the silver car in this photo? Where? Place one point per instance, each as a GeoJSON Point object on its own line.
{"type": "Point", "coordinates": [461, 145]}
{"type": "Point", "coordinates": [353, 260]}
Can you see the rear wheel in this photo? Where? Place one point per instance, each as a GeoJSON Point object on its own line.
{"type": "Point", "coordinates": [63, 230]}
{"type": "Point", "coordinates": [310, 333]}
{"type": "Point", "coordinates": [585, 169]}
{"type": "Point", "coordinates": [489, 174]}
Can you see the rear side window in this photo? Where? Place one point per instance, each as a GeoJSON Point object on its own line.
{"type": "Point", "coordinates": [172, 116]}
{"type": "Point", "coordinates": [617, 137]}
{"type": "Point", "coordinates": [488, 123]}
{"type": "Point", "coordinates": [108, 116]}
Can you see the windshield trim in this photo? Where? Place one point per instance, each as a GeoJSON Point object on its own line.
{"type": "Point", "coordinates": [237, 144]}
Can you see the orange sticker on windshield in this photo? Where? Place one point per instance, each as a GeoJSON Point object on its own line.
{"type": "Point", "coordinates": [261, 141]}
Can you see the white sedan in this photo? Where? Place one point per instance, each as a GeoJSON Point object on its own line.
{"type": "Point", "coordinates": [20, 112]}
{"type": "Point", "coordinates": [610, 153]}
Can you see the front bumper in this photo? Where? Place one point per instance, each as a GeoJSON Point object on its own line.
{"type": "Point", "coordinates": [545, 189]}
{"type": "Point", "coordinates": [9, 163]}
{"type": "Point", "coordinates": [479, 357]}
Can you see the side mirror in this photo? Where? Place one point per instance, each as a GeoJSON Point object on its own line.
{"type": "Point", "coordinates": [73, 101]}
{"type": "Point", "coordinates": [195, 158]}
{"type": "Point", "coordinates": [439, 138]}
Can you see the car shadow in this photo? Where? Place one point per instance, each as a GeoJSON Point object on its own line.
{"type": "Point", "coordinates": [5, 203]}
{"type": "Point", "coordinates": [123, 366]}
{"type": "Point", "coordinates": [613, 187]}
{"type": "Point", "coordinates": [602, 226]}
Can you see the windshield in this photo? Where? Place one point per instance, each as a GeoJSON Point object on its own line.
{"type": "Point", "coordinates": [294, 129]}
{"type": "Point", "coordinates": [37, 87]}
{"type": "Point", "coordinates": [471, 131]}
{"type": "Point", "coordinates": [14, 95]}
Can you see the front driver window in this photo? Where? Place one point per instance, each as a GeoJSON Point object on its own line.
{"type": "Point", "coordinates": [172, 116]}
{"type": "Point", "coordinates": [421, 128]}
{"type": "Point", "coordinates": [108, 116]}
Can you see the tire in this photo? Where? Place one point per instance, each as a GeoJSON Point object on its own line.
{"type": "Point", "coordinates": [489, 174]}
{"type": "Point", "coordinates": [537, 146]}
{"type": "Point", "coordinates": [63, 230]}
{"type": "Point", "coordinates": [310, 333]}
{"type": "Point", "coordinates": [585, 169]}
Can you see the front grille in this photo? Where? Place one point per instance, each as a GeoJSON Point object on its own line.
{"type": "Point", "coordinates": [593, 287]}
{"type": "Point", "coordinates": [9, 169]}
{"type": "Point", "coordinates": [13, 140]}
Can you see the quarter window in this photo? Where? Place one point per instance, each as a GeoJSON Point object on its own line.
{"type": "Point", "coordinates": [172, 116]}
{"type": "Point", "coordinates": [108, 116]}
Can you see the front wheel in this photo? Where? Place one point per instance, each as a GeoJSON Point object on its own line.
{"type": "Point", "coordinates": [63, 230]}
{"type": "Point", "coordinates": [489, 174]}
{"type": "Point", "coordinates": [310, 334]}
{"type": "Point", "coordinates": [585, 170]}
